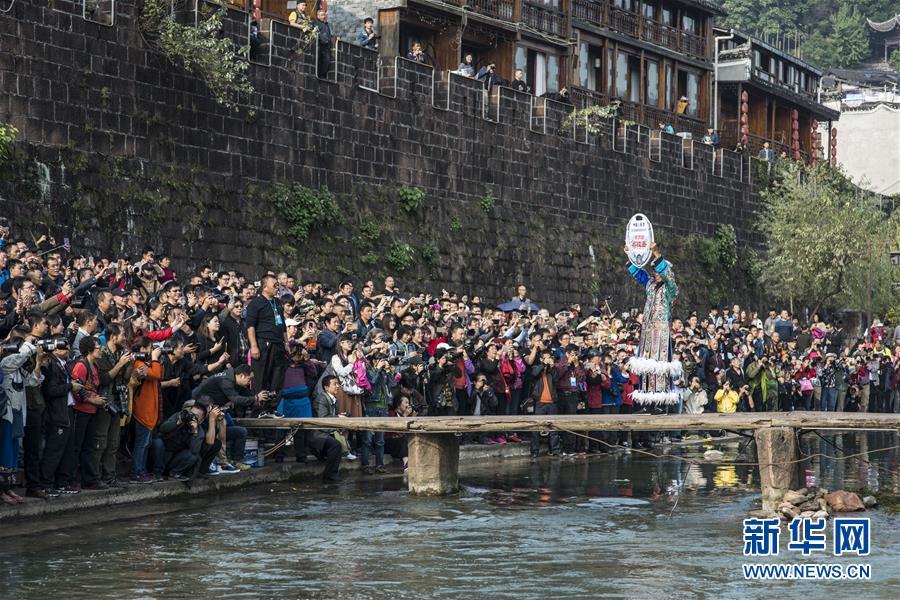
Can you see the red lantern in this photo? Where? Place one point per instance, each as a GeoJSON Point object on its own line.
{"type": "Point", "coordinates": [745, 96]}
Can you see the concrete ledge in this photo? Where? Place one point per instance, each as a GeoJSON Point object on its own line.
{"type": "Point", "coordinates": [271, 473]}
{"type": "Point", "coordinates": [166, 490]}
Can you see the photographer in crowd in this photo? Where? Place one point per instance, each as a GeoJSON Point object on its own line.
{"type": "Point", "coordinates": [191, 439]}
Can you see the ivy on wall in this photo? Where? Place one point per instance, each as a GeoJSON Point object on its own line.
{"type": "Point", "coordinates": [199, 48]}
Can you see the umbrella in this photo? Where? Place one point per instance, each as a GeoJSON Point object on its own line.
{"type": "Point", "coordinates": [514, 305]}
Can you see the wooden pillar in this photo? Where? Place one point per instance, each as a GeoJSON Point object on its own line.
{"type": "Point", "coordinates": [433, 464]}
{"type": "Point", "coordinates": [447, 54]}
{"type": "Point", "coordinates": [389, 30]}
{"type": "Point", "coordinates": [776, 451]}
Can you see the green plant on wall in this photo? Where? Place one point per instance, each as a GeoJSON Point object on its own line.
{"type": "Point", "coordinates": [367, 235]}
{"type": "Point", "coordinates": [455, 224]}
{"type": "Point", "coordinates": [303, 208]}
{"type": "Point", "coordinates": [719, 252]}
{"type": "Point", "coordinates": [487, 202]}
{"type": "Point", "coordinates": [201, 48]}
{"type": "Point", "coordinates": [411, 198]}
{"type": "Point", "coordinates": [400, 256]}
{"type": "Point", "coordinates": [591, 118]}
{"type": "Point", "coordinates": [8, 135]}
{"type": "Point", "coordinates": [429, 253]}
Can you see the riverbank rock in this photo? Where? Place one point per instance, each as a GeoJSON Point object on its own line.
{"type": "Point", "coordinates": [794, 498]}
{"type": "Point", "coordinates": [820, 514]}
{"type": "Point", "coordinates": [842, 501]}
{"type": "Point", "coordinates": [788, 511]}
{"type": "Point", "coordinates": [870, 502]}
{"type": "Point", "coordinates": [763, 514]}
{"type": "Point", "coordinates": [808, 505]}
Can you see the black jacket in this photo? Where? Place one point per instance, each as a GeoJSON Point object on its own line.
{"type": "Point", "coordinates": [179, 436]}
{"type": "Point", "coordinates": [56, 388]}
{"type": "Point", "coordinates": [223, 390]}
{"type": "Point", "coordinates": [538, 387]}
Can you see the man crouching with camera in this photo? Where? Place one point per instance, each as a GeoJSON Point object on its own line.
{"type": "Point", "coordinates": [191, 438]}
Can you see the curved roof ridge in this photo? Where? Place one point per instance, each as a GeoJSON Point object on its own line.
{"type": "Point", "coordinates": [885, 26]}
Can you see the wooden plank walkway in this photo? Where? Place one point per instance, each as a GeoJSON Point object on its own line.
{"type": "Point", "coordinates": [753, 421]}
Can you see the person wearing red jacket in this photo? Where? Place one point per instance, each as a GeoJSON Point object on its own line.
{"type": "Point", "coordinates": [80, 449]}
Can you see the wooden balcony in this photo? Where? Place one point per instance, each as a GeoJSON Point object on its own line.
{"type": "Point", "coordinates": [590, 11]}
{"type": "Point", "coordinates": [547, 20]}
{"type": "Point", "coordinates": [603, 14]}
{"type": "Point", "coordinates": [498, 9]}
{"type": "Point", "coordinates": [624, 22]}
{"type": "Point", "coordinates": [648, 116]}
{"type": "Point", "coordinates": [583, 97]}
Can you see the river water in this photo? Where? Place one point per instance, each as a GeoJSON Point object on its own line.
{"type": "Point", "coordinates": [621, 526]}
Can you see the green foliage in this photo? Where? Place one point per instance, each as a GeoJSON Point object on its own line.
{"type": "Point", "coordinates": [304, 209]}
{"type": "Point", "coordinates": [849, 37]}
{"type": "Point", "coordinates": [400, 256]}
{"type": "Point", "coordinates": [429, 253]}
{"type": "Point", "coordinates": [455, 223]}
{"type": "Point", "coordinates": [411, 198]}
{"type": "Point", "coordinates": [343, 271]}
{"type": "Point", "coordinates": [201, 48]}
{"type": "Point", "coordinates": [719, 253]}
{"type": "Point", "coordinates": [833, 32]}
{"type": "Point", "coordinates": [894, 60]}
{"type": "Point", "coordinates": [892, 315]}
{"type": "Point", "coordinates": [591, 118]}
{"type": "Point", "coordinates": [8, 135]}
{"type": "Point", "coordinates": [369, 259]}
{"type": "Point", "coordinates": [822, 242]}
{"type": "Point", "coordinates": [368, 235]}
{"type": "Point", "coordinates": [487, 202]}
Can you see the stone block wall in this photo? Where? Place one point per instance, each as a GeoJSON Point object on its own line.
{"type": "Point", "coordinates": [119, 148]}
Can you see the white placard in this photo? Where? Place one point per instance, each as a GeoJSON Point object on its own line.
{"type": "Point", "coordinates": [639, 238]}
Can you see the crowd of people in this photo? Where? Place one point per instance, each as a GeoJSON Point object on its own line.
{"type": "Point", "coordinates": [121, 363]}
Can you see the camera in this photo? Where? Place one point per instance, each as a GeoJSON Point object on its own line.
{"type": "Point", "coordinates": [51, 345]}
{"type": "Point", "coordinates": [393, 361]}
{"type": "Point", "coordinates": [141, 355]}
{"type": "Point", "coordinates": [187, 416]}
{"type": "Point", "coordinates": [9, 347]}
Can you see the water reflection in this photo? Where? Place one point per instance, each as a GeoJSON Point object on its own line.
{"type": "Point", "coordinates": [602, 527]}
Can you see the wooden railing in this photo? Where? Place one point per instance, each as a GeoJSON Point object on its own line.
{"type": "Point", "coordinates": [589, 10]}
{"type": "Point", "coordinates": [583, 97]}
{"type": "Point", "coordinates": [499, 9]}
{"type": "Point", "coordinates": [692, 44]}
{"type": "Point", "coordinates": [659, 34]}
{"type": "Point", "coordinates": [623, 21]}
{"type": "Point", "coordinates": [773, 79]}
{"type": "Point", "coordinates": [649, 116]}
{"type": "Point", "coordinates": [544, 19]}
{"type": "Point", "coordinates": [635, 25]}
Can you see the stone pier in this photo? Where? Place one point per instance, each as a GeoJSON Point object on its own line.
{"type": "Point", "coordinates": [778, 452]}
{"type": "Point", "coordinates": [433, 464]}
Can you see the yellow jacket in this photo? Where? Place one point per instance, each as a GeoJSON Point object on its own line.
{"type": "Point", "coordinates": [727, 401]}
